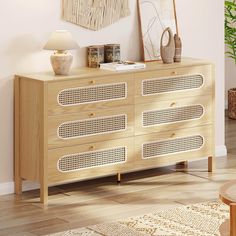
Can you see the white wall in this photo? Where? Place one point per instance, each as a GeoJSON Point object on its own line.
{"type": "Point", "coordinates": [25, 26]}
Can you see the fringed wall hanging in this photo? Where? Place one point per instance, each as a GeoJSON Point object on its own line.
{"type": "Point", "coordinates": [94, 14]}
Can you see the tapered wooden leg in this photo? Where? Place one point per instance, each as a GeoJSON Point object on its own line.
{"type": "Point", "coordinates": [211, 164]}
{"type": "Point", "coordinates": [43, 186]}
{"type": "Point", "coordinates": [43, 193]}
{"type": "Point", "coordinates": [17, 178]}
{"type": "Point", "coordinates": [18, 185]}
{"type": "Point", "coordinates": [118, 177]}
{"type": "Point", "coordinates": [183, 164]}
{"type": "Point", "coordinates": [233, 219]}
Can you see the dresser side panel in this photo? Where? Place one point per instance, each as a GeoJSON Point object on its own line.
{"type": "Point", "coordinates": [32, 141]}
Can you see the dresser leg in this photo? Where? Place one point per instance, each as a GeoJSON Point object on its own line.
{"type": "Point", "coordinates": [183, 164]}
{"type": "Point", "coordinates": [211, 164]}
{"type": "Point", "coordinates": [17, 176]}
{"type": "Point", "coordinates": [18, 185]}
{"type": "Point", "coordinates": [233, 219]}
{"type": "Point", "coordinates": [118, 177]}
{"type": "Point", "coordinates": [43, 193]}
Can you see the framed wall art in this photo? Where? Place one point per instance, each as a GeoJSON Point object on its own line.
{"type": "Point", "coordinates": [155, 16]}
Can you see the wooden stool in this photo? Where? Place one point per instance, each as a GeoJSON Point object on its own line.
{"type": "Point", "coordinates": [228, 196]}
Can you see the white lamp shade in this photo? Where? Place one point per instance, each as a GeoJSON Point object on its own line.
{"type": "Point", "coordinates": [61, 40]}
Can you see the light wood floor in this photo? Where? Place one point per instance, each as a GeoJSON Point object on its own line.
{"type": "Point", "coordinates": [102, 200]}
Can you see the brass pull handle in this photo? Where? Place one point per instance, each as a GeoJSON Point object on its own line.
{"type": "Point", "coordinates": [92, 114]}
{"type": "Point", "coordinates": [92, 82]}
{"type": "Point", "coordinates": [91, 147]}
{"type": "Point", "coordinates": [172, 135]}
{"type": "Point", "coordinates": [174, 73]}
{"type": "Point", "coordinates": [172, 104]}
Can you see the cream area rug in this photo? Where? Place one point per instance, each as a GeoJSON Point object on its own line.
{"type": "Point", "coordinates": [203, 219]}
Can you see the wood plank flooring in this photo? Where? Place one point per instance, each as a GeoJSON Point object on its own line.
{"type": "Point", "coordinates": [102, 200]}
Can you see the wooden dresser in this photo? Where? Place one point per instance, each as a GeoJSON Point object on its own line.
{"type": "Point", "coordinates": [96, 123]}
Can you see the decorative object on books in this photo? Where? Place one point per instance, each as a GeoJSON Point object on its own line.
{"type": "Point", "coordinates": [201, 219]}
{"type": "Point", "coordinates": [178, 43]}
{"type": "Point", "coordinates": [230, 29]}
{"type": "Point", "coordinates": [112, 53]}
{"type": "Point", "coordinates": [95, 55]}
{"type": "Point", "coordinates": [61, 60]}
{"type": "Point", "coordinates": [155, 16]}
{"type": "Point", "coordinates": [95, 14]}
{"type": "Point", "coordinates": [167, 51]}
{"type": "Point", "coordinates": [123, 65]}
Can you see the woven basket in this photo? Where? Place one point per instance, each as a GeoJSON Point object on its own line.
{"type": "Point", "coordinates": [232, 103]}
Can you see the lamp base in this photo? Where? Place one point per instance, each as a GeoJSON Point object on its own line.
{"type": "Point", "coordinates": [61, 63]}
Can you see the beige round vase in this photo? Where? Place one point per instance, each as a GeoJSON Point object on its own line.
{"type": "Point", "coordinates": [61, 63]}
{"type": "Point", "coordinates": [232, 103]}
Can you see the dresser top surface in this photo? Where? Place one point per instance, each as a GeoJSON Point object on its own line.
{"type": "Point", "coordinates": [85, 72]}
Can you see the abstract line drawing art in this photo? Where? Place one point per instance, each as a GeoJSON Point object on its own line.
{"type": "Point", "coordinates": [94, 14]}
{"type": "Point", "coordinates": [155, 16]}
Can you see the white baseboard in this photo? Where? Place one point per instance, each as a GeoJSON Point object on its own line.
{"type": "Point", "coordinates": [8, 188]}
{"type": "Point", "coordinates": [221, 151]}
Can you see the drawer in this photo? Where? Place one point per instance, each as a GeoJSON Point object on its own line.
{"type": "Point", "coordinates": [89, 160]}
{"type": "Point", "coordinates": [177, 83]}
{"type": "Point", "coordinates": [173, 114]}
{"type": "Point", "coordinates": [89, 94]}
{"type": "Point", "coordinates": [159, 149]}
{"type": "Point", "coordinates": [86, 127]}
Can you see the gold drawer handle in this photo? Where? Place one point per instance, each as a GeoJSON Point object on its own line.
{"type": "Point", "coordinates": [91, 147]}
{"type": "Point", "coordinates": [172, 104]}
{"type": "Point", "coordinates": [172, 135]}
{"type": "Point", "coordinates": [174, 73]}
{"type": "Point", "coordinates": [92, 114]}
{"type": "Point", "coordinates": [92, 82]}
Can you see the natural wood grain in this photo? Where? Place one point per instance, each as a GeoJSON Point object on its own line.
{"type": "Point", "coordinates": [54, 88]}
{"type": "Point", "coordinates": [91, 73]}
{"type": "Point", "coordinates": [211, 164]}
{"type": "Point", "coordinates": [17, 176]}
{"type": "Point", "coordinates": [205, 89]}
{"type": "Point", "coordinates": [102, 200]}
{"type": "Point", "coordinates": [43, 170]}
{"type": "Point", "coordinates": [233, 219]}
{"type": "Point", "coordinates": [206, 118]}
{"type": "Point", "coordinates": [31, 124]}
{"type": "Point", "coordinates": [55, 176]}
{"type": "Point", "coordinates": [41, 115]}
{"type": "Point", "coordinates": [205, 150]}
{"type": "Point", "coordinates": [33, 133]}
{"type": "Point", "coordinates": [118, 177]}
{"type": "Point", "coordinates": [55, 121]}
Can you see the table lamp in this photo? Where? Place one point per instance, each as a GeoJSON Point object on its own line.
{"type": "Point", "coordinates": [60, 41]}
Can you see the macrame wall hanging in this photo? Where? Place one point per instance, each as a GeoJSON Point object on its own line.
{"type": "Point", "coordinates": [94, 14]}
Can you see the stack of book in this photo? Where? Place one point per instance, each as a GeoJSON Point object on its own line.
{"type": "Point", "coordinates": [120, 66]}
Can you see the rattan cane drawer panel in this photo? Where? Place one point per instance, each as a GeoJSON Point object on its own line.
{"type": "Point", "coordinates": [175, 146]}
{"type": "Point", "coordinates": [177, 83]}
{"type": "Point", "coordinates": [88, 127]}
{"type": "Point", "coordinates": [90, 94]}
{"type": "Point", "coordinates": [83, 161]}
{"type": "Point", "coordinates": [173, 114]}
